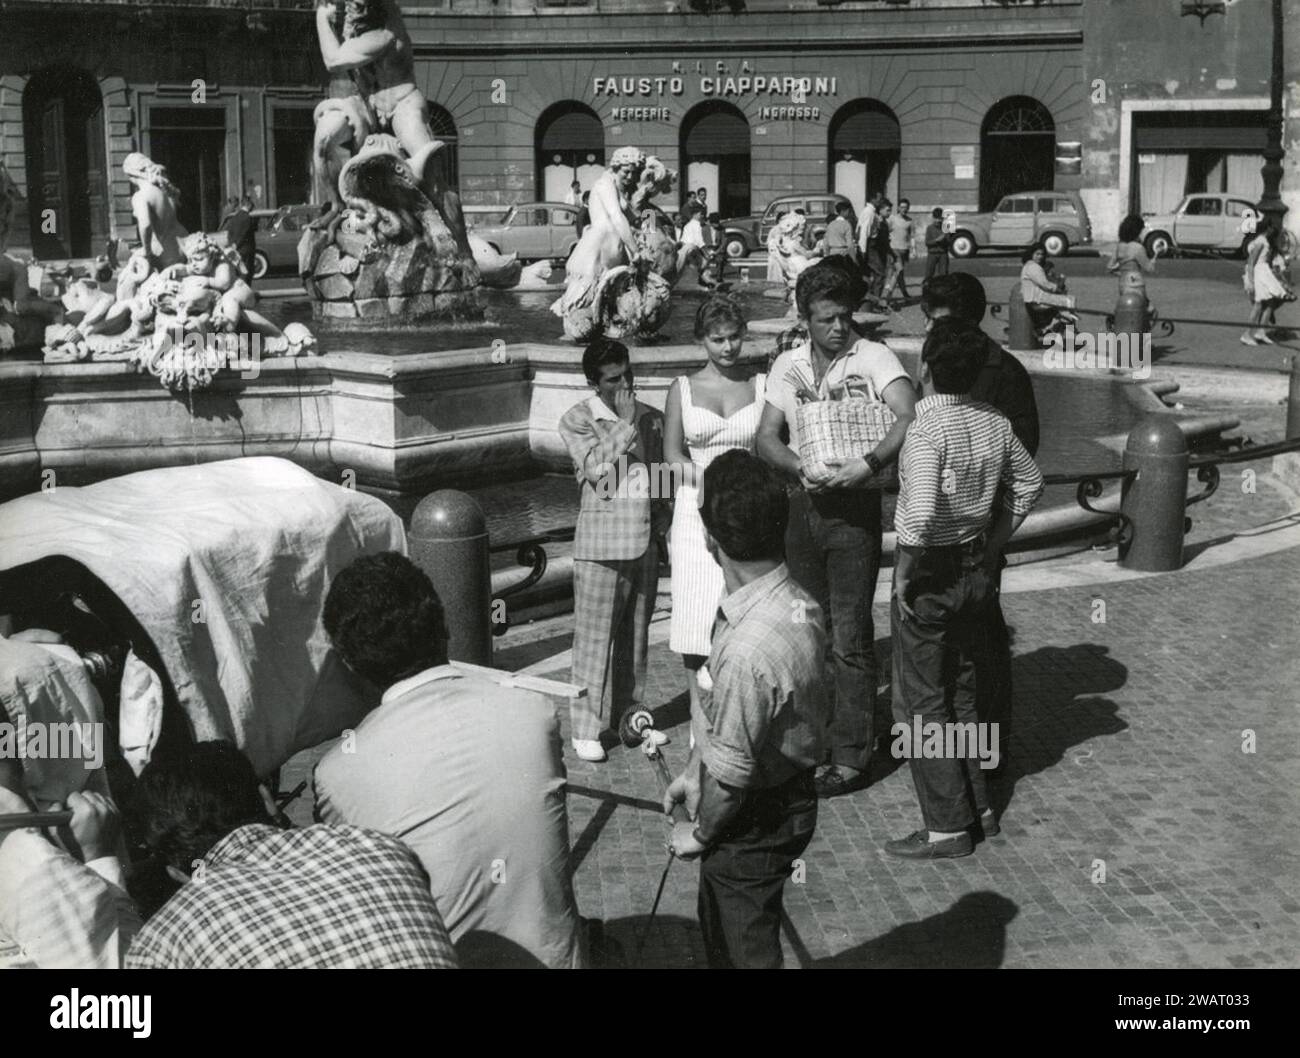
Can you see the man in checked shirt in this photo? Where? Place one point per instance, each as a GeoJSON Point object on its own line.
{"type": "Point", "coordinates": [612, 439]}
{"type": "Point", "coordinates": [749, 782]}
{"type": "Point", "coordinates": [957, 454]}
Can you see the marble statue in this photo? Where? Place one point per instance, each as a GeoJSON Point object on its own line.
{"type": "Point", "coordinates": [182, 302]}
{"type": "Point", "coordinates": [376, 49]}
{"type": "Point", "coordinates": [391, 244]}
{"type": "Point", "coordinates": [620, 274]}
{"type": "Point", "coordinates": [786, 250]}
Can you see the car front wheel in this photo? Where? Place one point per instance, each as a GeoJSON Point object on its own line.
{"type": "Point", "coordinates": [962, 245]}
{"type": "Point", "coordinates": [1158, 243]}
{"type": "Point", "coordinates": [736, 247]}
{"type": "Point", "coordinates": [261, 264]}
{"type": "Point", "coordinates": [1056, 244]}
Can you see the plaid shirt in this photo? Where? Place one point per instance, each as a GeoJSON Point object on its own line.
{"type": "Point", "coordinates": [614, 515]}
{"type": "Point", "coordinates": [766, 711]}
{"type": "Point", "coordinates": [956, 454]}
{"type": "Point", "coordinates": [323, 896]}
{"type": "Point", "coordinates": [787, 340]}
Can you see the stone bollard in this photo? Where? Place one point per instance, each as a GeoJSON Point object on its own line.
{"type": "Point", "coordinates": [1021, 334]}
{"type": "Point", "coordinates": [1293, 401]}
{"type": "Point", "coordinates": [1131, 315]}
{"type": "Point", "coordinates": [1155, 501]}
{"type": "Point", "coordinates": [449, 541]}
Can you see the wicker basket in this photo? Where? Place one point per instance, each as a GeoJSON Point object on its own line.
{"type": "Point", "coordinates": [835, 431]}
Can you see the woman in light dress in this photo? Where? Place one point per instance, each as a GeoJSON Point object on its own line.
{"type": "Point", "coordinates": [707, 413]}
{"type": "Point", "coordinates": [1265, 266]}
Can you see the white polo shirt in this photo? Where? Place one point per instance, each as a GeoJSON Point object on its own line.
{"type": "Point", "coordinates": [865, 361]}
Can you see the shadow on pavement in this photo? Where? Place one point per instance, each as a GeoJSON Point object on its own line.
{"type": "Point", "coordinates": [970, 935]}
{"type": "Point", "coordinates": [1058, 705]}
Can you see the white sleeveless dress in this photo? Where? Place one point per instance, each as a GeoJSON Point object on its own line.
{"type": "Point", "coordinates": [697, 579]}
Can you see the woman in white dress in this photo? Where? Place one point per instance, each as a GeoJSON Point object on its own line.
{"type": "Point", "coordinates": [1264, 287]}
{"type": "Point", "coordinates": [707, 413]}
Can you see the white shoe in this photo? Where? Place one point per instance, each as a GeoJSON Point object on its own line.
{"type": "Point", "coordinates": [658, 737]}
{"type": "Point", "coordinates": [589, 749]}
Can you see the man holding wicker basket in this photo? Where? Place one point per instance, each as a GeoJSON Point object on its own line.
{"type": "Point", "coordinates": [847, 405]}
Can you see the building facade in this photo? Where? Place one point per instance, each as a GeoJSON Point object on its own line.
{"type": "Point", "coordinates": [945, 102]}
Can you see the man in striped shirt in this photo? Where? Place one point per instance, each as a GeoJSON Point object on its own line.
{"type": "Point", "coordinates": [957, 454]}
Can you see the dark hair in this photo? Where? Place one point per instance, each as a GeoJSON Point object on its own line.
{"type": "Point", "coordinates": [575, 184]}
{"type": "Point", "coordinates": [1130, 228]}
{"type": "Point", "coordinates": [937, 213]}
{"type": "Point", "coordinates": [600, 352]}
{"type": "Point", "coordinates": [744, 507]}
{"type": "Point", "coordinates": [384, 618]}
{"type": "Point", "coordinates": [1268, 227]}
{"type": "Point", "coordinates": [184, 804]}
{"type": "Point", "coordinates": [902, 200]}
{"type": "Point", "coordinates": [824, 281]}
{"type": "Point", "coordinates": [718, 309]}
{"type": "Point", "coordinates": [958, 292]}
{"type": "Point", "coordinates": [955, 352]}
{"type": "Point", "coordinates": [1028, 254]}
{"type": "Point", "coordinates": [842, 207]}
{"type": "Point", "coordinates": [715, 218]}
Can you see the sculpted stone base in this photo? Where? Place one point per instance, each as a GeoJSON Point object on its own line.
{"type": "Point", "coordinates": [363, 279]}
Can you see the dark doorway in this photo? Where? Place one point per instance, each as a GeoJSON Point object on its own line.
{"type": "Point", "coordinates": [715, 157]}
{"type": "Point", "coordinates": [67, 181]}
{"type": "Point", "coordinates": [191, 143]}
{"type": "Point", "coordinates": [570, 145]}
{"type": "Point", "coordinates": [292, 132]}
{"type": "Point", "coordinates": [1017, 150]}
{"type": "Point", "coordinates": [446, 163]}
{"type": "Point", "coordinates": [865, 145]}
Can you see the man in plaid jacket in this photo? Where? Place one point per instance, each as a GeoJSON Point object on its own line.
{"type": "Point", "coordinates": [613, 440]}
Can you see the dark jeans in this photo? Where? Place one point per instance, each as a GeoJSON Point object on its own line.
{"type": "Point", "coordinates": [934, 675]}
{"type": "Point", "coordinates": [936, 264]}
{"type": "Point", "coordinates": [832, 546]}
{"type": "Point", "coordinates": [742, 878]}
{"type": "Point", "coordinates": [993, 670]}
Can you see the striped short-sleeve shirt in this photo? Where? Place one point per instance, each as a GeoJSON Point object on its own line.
{"type": "Point", "coordinates": [956, 454]}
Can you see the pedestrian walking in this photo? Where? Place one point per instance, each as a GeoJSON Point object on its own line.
{"type": "Point", "coordinates": [936, 247]}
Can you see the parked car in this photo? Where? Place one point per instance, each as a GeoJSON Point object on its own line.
{"type": "Point", "coordinates": [1199, 222]}
{"type": "Point", "coordinates": [278, 232]}
{"type": "Point", "coordinates": [535, 231]}
{"type": "Point", "coordinates": [743, 236]}
{"type": "Point", "coordinates": [1057, 219]}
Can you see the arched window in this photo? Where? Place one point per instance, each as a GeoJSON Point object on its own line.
{"type": "Point", "coordinates": [570, 146]}
{"type": "Point", "coordinates": [447, 160]}
{"type": "Point", "coordinates": [67, 174]}
{"type": "Point", "coordinates": [865, 144]}
{"type": "Point", "coordinates": [1017, 149]}
{"type": "Point", "coordinates": [715, 157]}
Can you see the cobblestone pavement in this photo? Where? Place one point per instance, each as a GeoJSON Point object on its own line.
{"type": "Point", "coordinates": [1149, 818]}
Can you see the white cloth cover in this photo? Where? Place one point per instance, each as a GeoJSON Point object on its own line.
{"type": "Point", "coordinates": [226, 566]}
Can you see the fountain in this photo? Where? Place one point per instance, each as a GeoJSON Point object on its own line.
{"type": "Point", "coordinates": [391, 247]}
